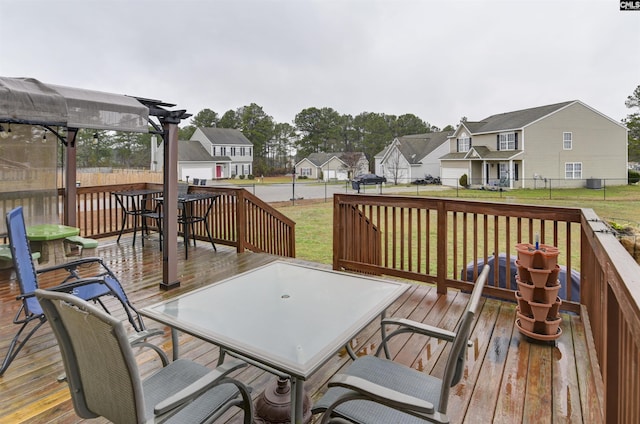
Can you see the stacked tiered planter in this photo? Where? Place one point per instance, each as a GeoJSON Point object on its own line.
{"type": "Point", "coordinates": [538, 285]}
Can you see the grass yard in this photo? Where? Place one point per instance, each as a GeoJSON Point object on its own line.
{"type": "Point", "coordinates": [314, 220]}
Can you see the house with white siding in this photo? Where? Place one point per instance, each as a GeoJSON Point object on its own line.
{"type": "Point", "coordinates": [214, 153]}
{"type": "Point", "coordinates": [412, 157]}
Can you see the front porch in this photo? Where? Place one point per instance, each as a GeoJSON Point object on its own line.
{"type": "Point", "coordinates": [507, 379]}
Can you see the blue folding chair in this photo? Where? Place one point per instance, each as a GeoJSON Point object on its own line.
{"type": "Point", "coordinates": [91, 289]}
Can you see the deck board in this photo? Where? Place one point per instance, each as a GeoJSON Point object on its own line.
{"type": "Point", "coordinates": [508, 379]}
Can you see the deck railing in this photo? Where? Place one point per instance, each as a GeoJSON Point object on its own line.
{"type": "Point", "coordinates": [238, 218]}
{"type": "Point", "coordinates": [433, 240]}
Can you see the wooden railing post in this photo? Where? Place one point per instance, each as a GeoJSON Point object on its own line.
{"type": "Point", "coordinates": [442, 244]}
{"type": "Point", "coordinates": [241, 220]}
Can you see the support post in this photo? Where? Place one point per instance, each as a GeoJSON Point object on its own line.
{"type": "Point", "coordinates": [170, 208]}
{"type": "Point", "coordinates": [70, 173]}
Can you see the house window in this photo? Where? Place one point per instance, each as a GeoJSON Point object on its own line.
{"type": "Point", "coordinates": [573, 170]}
{"type": "Point", "coordinates": [223, 151]}
{"type": "Point", "coordinates": [464, 144]}
{"type": "Point", "coordinates": [567, 141]}
{"type": "Point", "coordinates": [233, 151]}
{"type": "Point", "coordinates": [305, 172]}
{"type": "Point", "coordinates": [507, 141]}
{"type": "Point", "coordinates": [242, 151]}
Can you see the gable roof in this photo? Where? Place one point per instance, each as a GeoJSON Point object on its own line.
{"type": "Point", "coordinates": [192, 151]}
{"type": "Point", "coordinates": [226, 136]}
{"type": "Point", "coordinates": [513, 120]}
{"type": "Point", "coordinates": [416, 147]}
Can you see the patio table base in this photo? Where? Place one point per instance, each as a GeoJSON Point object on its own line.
{"type": "Point", "coordinates": [273, 406]}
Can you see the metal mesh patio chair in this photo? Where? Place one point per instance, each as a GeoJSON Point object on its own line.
{"type": "Point", "coordinates": [101, 284]}
{"type": "Point", "coordinates": [104, 379]}
{"type": "Point", "coordinates": [378, 390]}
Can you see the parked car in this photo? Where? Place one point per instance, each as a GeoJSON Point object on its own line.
{"type": "Point", "coordinates": [428, 179]}
{"type": "Point", "coordinates": [369, 179]}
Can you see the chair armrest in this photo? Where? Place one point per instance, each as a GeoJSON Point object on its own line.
{"type": "Point", "coordinates": [79, 282]}
{"type": "Point", "coordinates": [139, 339]}
{"type": "Point", "coordinates": [198, 387]}
{"type": "Point", "coordinates": [22, 296]}
{"type": "Point", "coordinates": [388, 397]}
{"type": "Point", "coordinates": [420, 328]}
{"type": "Point", "coordinates": [69, 266]}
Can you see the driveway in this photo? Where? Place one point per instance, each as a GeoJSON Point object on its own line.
{"type": "Point", "coordinates": [317, 190]}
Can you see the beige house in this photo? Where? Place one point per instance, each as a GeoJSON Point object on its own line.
{"type": "Point", "coordinates": [333, 166]}
{"type": "Point", "coordinates": [566, 144]}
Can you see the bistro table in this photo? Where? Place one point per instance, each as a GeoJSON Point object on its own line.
{"type": "Point", "coordinates": [51, 237]}
{"type": "Point", "coordinates": [133, 203]}
{"type": "Point", "coordinates": [188, 218]}
{"type": "Point", "coordinates": [282, 316]}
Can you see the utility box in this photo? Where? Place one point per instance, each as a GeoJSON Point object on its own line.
{"type": "Point", "coordinates": [594, 183]}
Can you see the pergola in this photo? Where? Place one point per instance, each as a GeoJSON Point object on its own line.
{"type": "Point", "coordinates": [30, 102]}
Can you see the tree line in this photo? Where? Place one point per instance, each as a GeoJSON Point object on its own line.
{"type": "Point", "coordinates": [313, 130]}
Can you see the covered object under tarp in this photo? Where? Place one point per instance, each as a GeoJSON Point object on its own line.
{"type": "Point", "coordinates": [27, 101]}
{"type": "Point", "coordinates": [467, 274]}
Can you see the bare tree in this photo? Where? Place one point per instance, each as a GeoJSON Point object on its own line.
{"type": "Point", "coordinates": [394, 165]}
{"type": "Point", "coordinates": [352, 162]}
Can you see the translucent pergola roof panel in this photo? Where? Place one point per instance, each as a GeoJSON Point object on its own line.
{"type": "Point", "coordinates": [26, 100]}
{"type": "Point", "coordinates": [103, 111]}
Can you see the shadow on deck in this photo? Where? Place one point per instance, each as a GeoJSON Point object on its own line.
{"type": "Point", "coordinates": [507, 378]}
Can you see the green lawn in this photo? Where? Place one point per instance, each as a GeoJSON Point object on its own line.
{"type": "Point", "coordinates": [314, 220]}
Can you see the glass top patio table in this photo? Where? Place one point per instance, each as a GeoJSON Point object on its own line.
{"type": "Point", "coordinates": [290, 317]}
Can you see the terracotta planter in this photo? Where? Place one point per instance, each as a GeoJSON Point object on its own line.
{"type": "Point", "coordinates": [551, 326]}
{"type": "Point", "coordinates": [523, 305]}
{"type": "Point", "coordinates": [539, 277]}
{"type": "Point", "coordinates": [526, 323]}
{"type": "Point", "coordinates": [555, 308]}
{"type": "Point", "coordinates": [537, 295]}
{"type": "Point", "coordinates": [523, 272]}
{"type": "Point", "coordinates": [549, 294]}
{"type": "Point", "coordinates": [526, 290]}
{"type": "Point", "coordinates": [545, 257]}
{"type": "Point", "coordinates": [540, 311]}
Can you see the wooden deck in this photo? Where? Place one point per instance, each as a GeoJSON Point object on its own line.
{"type": "Point", "coordinates": [507, 379]}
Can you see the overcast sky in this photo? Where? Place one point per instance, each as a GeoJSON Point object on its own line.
{"type": "Point", "coordinates": [438, 59]}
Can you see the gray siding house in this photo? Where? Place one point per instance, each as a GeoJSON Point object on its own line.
{"type": "Point", "coordinates": [410, 157]}
{"type": "Point", "coordinates": [214, 153]}
{"type": "Point", "coordinates": [564, 144]}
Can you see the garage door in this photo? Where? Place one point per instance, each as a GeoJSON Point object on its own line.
{"type": "Point", "coordinates": [452, 172]}
{"type": "Point", "coordinates": [200, 173]}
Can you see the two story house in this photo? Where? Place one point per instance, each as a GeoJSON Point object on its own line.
{"type": "Point", "coordinates": [333, 166]}
{"type": "Point", "coordinates": [564, 144]}
{"type": "Point", "coordinates": [214, 153]}
{"type": "Point", "coordinates": [411, 157]}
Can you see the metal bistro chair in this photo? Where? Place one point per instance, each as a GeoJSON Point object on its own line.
{"type": "Point", "coordinates": [101, 284]}
{"type": "Point", "coordinates": [376, 390]}
{"type": "Point", "coordinates": [104, 379]}
{"type": "Point", "coordinates": [188, 219]}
